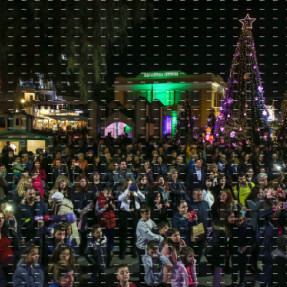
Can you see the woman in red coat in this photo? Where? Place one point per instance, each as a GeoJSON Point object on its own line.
{"type": "Point", "coordinates": [107, 219]}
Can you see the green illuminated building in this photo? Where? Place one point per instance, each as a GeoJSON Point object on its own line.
{"type": "Point", "coordinates": [169, 89]}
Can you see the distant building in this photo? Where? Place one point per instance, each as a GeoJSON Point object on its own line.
{"type": "Point", "coordinates": [149, 104]}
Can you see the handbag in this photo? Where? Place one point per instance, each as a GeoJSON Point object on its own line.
{"type": "Point", "coordinates": [197, 232]}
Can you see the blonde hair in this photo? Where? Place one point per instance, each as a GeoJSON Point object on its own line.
{"type": "Point", "coordinates": [21, 186]}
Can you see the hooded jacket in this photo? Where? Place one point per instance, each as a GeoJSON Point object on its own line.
{"type": "Point", "coordinates": [179, 275]}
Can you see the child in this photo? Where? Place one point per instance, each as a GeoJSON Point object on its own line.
{"type": "Point", "coordinates": [153, 263]}
{"type": "Point", "coordinates": [171, 249]}
{"type": "Point", "coordinates": [184, 271]}
{"type": "Point", "coordinates": [145, 233]}
{"type": "Point", "coordinates": [17, 167]}
{"type": "Point", "coordinates": [59, 236]}
{"type": "Point", "coordinates": [29, 271]}
{"type": "Point", "coordinates": [37, 183]}
{"type": "Point", "coordinates": [123, 275]}
{"type": "Point", "coordinates": [96, 253]}
{"type": "Point", "coordinates": [63, 252]}
{"type": "Point", "coordinates": [162, 230]}
{"type": "Point", "coordinates": [107, 219]}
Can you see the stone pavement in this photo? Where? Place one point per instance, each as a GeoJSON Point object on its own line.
{"type": "Point", "coordinates": [204, 281]}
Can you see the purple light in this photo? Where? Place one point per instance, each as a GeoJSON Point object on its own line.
{"type": "Point", "coordinates": [254, 67]}
{"type": "Point", "coordinates": [256, 99]}
{"type": "Point", "coordinates": [264, 113]}
{"type": "Point", "coordinates": [237, 54]}
{"type": "Point", "coordinates": [234, 81]}
{"type": "Point", "coordinates": [260, 89]}
{"type": "Point", "coordinates": [246, 105]}
{"type": "Point", "coordinates": [240, 129]}
{"type": "Point", "coordinates": [228, 115]}
{"type": "Point", "coordinates": [222, 129]}
{"type": "Point", "coordinates": [251, 54]}
{"type": "Point", "coordinates": [245, 41]}
{"type": "Point", "coordinates": [232, 134]}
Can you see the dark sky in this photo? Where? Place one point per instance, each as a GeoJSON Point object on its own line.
{"type": "Point", "coordinates": [200, 36]}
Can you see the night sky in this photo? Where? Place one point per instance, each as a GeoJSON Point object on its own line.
{"type": "Point", "coordinates": [200, 37]}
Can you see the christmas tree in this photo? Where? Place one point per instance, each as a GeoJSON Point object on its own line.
{"type": "Point", "coordinates": [243, 113]}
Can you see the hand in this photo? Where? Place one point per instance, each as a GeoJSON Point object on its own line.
{"type": "Point", "coordinates": [159, 206]}
{"type": "Point", "coordinates": [279, 205]}
{"type": "Point", "coordinates": [167, 204]}
{"type": "Point", "coordinates": [195, 217]}
{"type": "Point", "coordinates": [106, 206]}
{"type": "Point", "coordinates": [187, 215]}
{"type": "Point", "coordinates": [243, 249]}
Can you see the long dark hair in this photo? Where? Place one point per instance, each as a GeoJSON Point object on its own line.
{"type": "Point", "coordinates": [5, 226]}
{"type": "Point", "coordinates": [170, 243]}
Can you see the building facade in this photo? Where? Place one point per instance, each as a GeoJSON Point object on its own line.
{"type": "Point", "coordinates": [157, 98]}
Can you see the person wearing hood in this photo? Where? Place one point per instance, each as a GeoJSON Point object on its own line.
{"type": "Point", "coordinates": [29, 272]}
{"type": "Point", "coordinates": [64, 206]}
{"type": "Point", "coordinates": [279, 276]}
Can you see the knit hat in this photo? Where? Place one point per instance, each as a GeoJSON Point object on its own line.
{"type": "Point", "coordinates": [133, 187]}
{"type": "Point", "coordinates": [57, 196]}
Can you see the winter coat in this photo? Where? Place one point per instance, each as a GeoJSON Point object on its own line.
{"type": "Point", "coordinates": [254, 207]}
{"type": "Point", "coordinates": [96, 252]}
{"type": "Point", "coordinates": [64, 207]}
{"type": "Point", "coordinates": [29, 228]}
{"type": "Point", "coordinates": [279, 276]}
{"type": "Point", "coordinates": [217, 244]}
{"type": "Point", "coordinates": [183, 225]}
{"type": "Point", "coordinates": [154, 269]}
{"type": "Point", "coordinates": [171, 254]}
{"type": "Point", "coordinates": [203, 212]}
{"type": "Point", "coordinates": [25, 276]}
{"type": "Point", "coordinates": [107, 218]}
{"type": "Point", "coordinates": [179, 275]}
{"type": "Point", "coordinates": [241, 236]}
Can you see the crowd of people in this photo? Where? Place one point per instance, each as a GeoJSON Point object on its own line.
{"type": "Point", "coordinates": [167, 204]}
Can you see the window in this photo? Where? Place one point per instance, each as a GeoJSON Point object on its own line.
{"type": "Point", "coordinates": [2, 122]}
{"type": "Point", "coordinates": [193, 98]}
{"type": "Point", "coordinates": [19, 122]}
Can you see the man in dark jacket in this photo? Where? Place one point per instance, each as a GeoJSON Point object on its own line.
{"type": "Point", "coordinates": [28, 209]}
{"type": "Point", "coordinates": [195, 177]}
{"type": "Point", "coordinates": [121, 174]}
{"type": "Point", "coordinates": [204, 215]}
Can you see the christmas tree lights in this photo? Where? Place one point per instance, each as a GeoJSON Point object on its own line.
{"type": "Point", "coordinates": [243, 114]}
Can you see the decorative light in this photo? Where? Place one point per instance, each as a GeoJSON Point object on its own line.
{"type": "Point", "coordinates": [247, 22]}
{"type": "Point", "coordinates": [254, 67]}
{"type": "Point", "coordinates": [240, 129]}
{"type": "Point", "coordinates": [264, 113]}
{"type": "Point", "coordinates": [251, 54]}
{"type": "Point", "coordinates": [232, 134]}
{"type": "Point", "coordinates": [228, 115]}
{"type": "Point", "coordinates": [260, 89]}
{"type": "Point", "coordinates": [222, 129]}
{"type": "Point", "coordinates": [246, 105]}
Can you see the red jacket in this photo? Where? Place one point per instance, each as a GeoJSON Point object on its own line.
{"type": "Point", "coordinates": [106, 219]}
